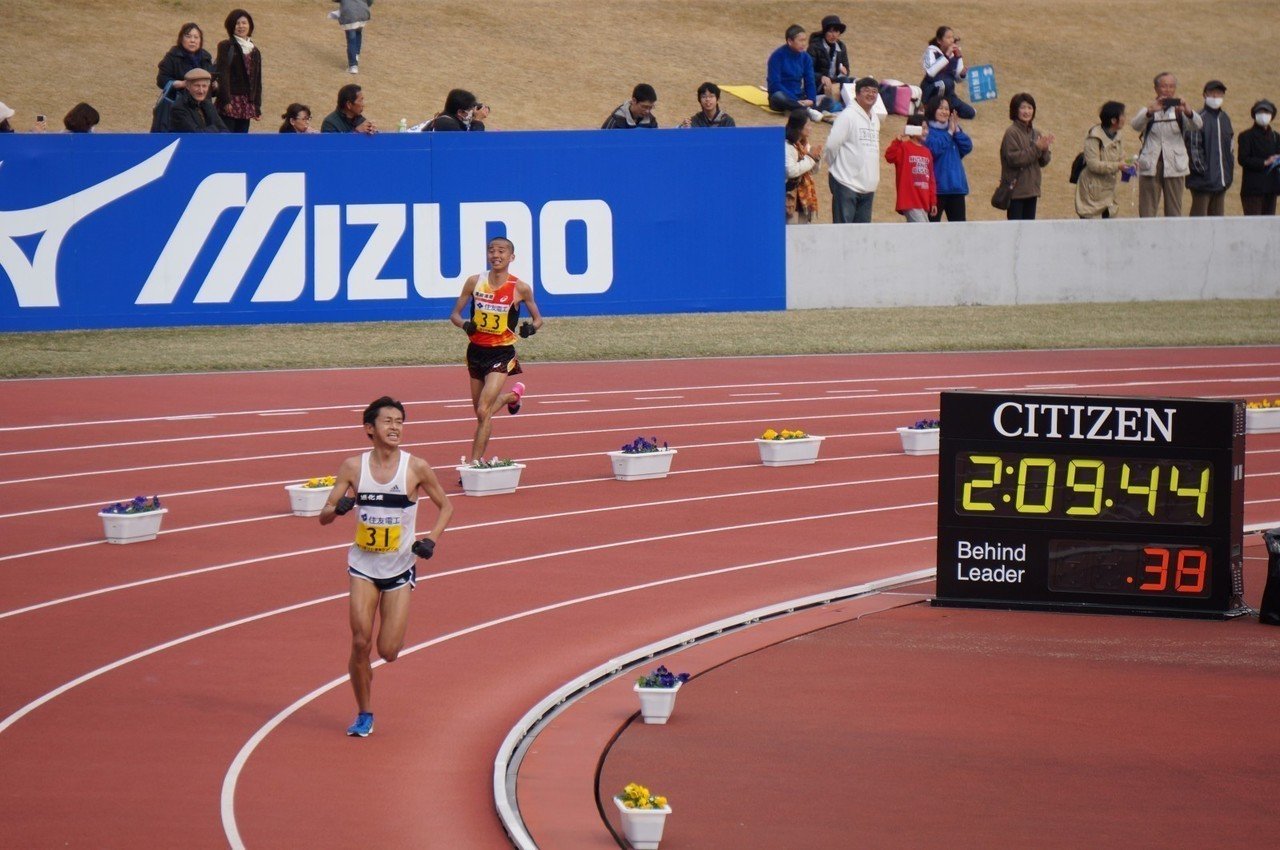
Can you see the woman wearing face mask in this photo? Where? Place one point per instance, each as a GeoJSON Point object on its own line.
{"type": "Point", "coordinates": [239, 74]}
{"type": "Point", "coordinates": [459, 113]}
{"type": "Point", "coordinates": [1260, 161]}
{"type": "Point", "coordinates": [187, 54]}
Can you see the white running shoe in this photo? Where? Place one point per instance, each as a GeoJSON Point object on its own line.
{"type": "Point", "coordinates": [354, 69]}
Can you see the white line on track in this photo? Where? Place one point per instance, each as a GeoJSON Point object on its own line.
{"type": "Point", "coordinates": [563, 401]}
{"type": "Point", "coordinates": [656, 397]}
{"type": "Point", "coordinates": [189, 417]}
{"type": "Point", "coordinates": [232, 776]}
{"type": "Point", "coordinates": [508, 521]}
{"type": "Point", "coordinates": [285, 413]}
{"type": "Point", "coordinates": [749, 395]}
{"type": "Point", "coordinates": [1173, 367]}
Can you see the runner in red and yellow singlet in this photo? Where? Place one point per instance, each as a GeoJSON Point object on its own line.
{"type": "Point", "coordinates": [494, 299]}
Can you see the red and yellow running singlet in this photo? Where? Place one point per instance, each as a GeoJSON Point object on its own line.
{"type": "Point", "coordinates": [496, 312]}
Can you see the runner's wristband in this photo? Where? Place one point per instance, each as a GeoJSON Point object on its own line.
{"type": "Point", "coordinates": [345, 504]}
{"type": "Point", "coordinates": [424, 548]}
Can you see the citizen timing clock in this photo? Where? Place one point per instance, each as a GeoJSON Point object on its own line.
{"type": "Point", "coordinates": [1080, 503]}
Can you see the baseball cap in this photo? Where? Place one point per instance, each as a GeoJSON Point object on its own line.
{"type": "Point", "coordinates": [1213, 85]}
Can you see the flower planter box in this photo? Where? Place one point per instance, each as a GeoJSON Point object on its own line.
{"type": "Point", "coordinates": [920, 441]}
{"type": "Point", "coordinates": [1261, 420]}
{"type": "Point", "coordinates": [493, 481]}
{"type": "Point", "coordinates": [639, 466]}
{"type": "Point", "coordinates": [656, 704]}
{"type": "Point", "coordinates": [643, 827]}
{"type": "Point", "coordinates": [307, 501]}
{"type": "Point", "coordinates": [132, 528]}
{"type": "Point", "coordinates": [789, 452]}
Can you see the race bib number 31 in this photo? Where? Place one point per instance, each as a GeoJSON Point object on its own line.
{"type": "Point", "coordinates": [378, 538]}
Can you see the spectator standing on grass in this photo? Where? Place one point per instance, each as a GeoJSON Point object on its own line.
{"type": "Point", "coordinates": [459, 113]}
{"type": "Point", "coordinates": [187, 54]}
{"type": "Point", "coordinates": [349, 116]}
{"type": "Point", "coordinates": [943, 69]}
{"type": "Point", "coordinates": [853, 156]}
{"type": "Point", "coordinates": [352, 16]}
{"type": "Point", "coordinates": [949, 145]}
{"type": "Point", "coordinates": [239, 66]}
{"type": "Point", "coordinates": [801, 163]}
{"type": "Point", "coordinates": [6, 112]}
{"type": "Point", "coordinates": [81, 119]}
{"type": "Point", "coordinates": [1213, 170]}
{"type": "Point", "coordinates": [789, 75]}
{"type": "Point", "coordinates": [1260, 162]}
{"type": "Point", "coordinates": [913, 166]}
{"type": "Point", "coordinates": [1024, 151]}
{"type": "Point", "coordinates": [297, 119]}
{"type": "Point", "coordinates": [1103, 163]}
{"type": "Point", "coordinates": [709, 115]}
{"type": "Point", "coordinates": [830, 59]}
{"type": "Point", "coordinates": [1163, 164]}
{"type": "Point", "coordinates": [636, 113]}
{"type": "Point", "coordinates": [193, 112]}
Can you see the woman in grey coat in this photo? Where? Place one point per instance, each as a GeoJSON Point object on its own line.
{"type": "Point", "coordinates": [352, 15]}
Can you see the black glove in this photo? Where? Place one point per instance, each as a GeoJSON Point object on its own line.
{"type": "Point", "coordinates": [424, 548]}
{"type": "Point", "coordinates": [527, 329]}
{"type": "Point", "coordinates": [345, 504]}
{"type": "Point", "coordinates": [469, 327]}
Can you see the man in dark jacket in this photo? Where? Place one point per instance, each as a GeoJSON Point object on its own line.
{"type": "Point", "coordinates": [636, 113]}
{"type": "Point", "coordinates": [830, 59]}
{"type": "Point", "coordinates": [193, 112]}
{"type": "Point", "coordinates": [1213, 170]}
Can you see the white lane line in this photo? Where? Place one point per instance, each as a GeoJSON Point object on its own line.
{"type": "Point", "coordinates": [232, 776]}
{"type": "Point", "coordinates": [1052, 386]}
{"type": "Point", "coordinates": [1170, 367]}
{"type": "Point", "coordinates": [656, 397]}
{"type": "Point", "coordinates": [285, 413]}
{"type": "Point", "coordinates": [530, 518]}
{"type": "Point", "coordinates": [749, 395]}
{"type": "Point", "coordinates": [563, 401]}
{"type": "Point", "coordinates": [187, 418]}
{"type": "Point", "coordinates": [452, 406]}
{"type": "Point", "coordinates": [854, 391]}
{"type": "Point", "coordinates": [18, 556]}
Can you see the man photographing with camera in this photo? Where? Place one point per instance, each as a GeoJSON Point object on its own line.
{"type": "Point", "coordinates": [1163, 163]}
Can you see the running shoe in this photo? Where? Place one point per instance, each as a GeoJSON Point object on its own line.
{"type": "Point", "coordinates": [363, 727]}
{"type": "Point", "coordinates": [518, 392]}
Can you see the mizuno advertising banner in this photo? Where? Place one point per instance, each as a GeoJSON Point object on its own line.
{"type": "Point", "coordinates": [115, 231]}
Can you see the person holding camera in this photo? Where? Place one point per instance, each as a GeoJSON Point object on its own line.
{"type": "Point", "coordinates": [943, 69]}
{"type": "Point", "coordinates": [913, 166]}
{"type": "Point", "coordinates": [1163, 162]}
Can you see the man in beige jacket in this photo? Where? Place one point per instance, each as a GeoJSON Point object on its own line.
{"type": "Point", "coordinates": [1163, 164]}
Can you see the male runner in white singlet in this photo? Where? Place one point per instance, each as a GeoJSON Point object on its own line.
{"type": "Point", "coordinates": [381, 562]}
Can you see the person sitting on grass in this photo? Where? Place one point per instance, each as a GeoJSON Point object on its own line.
{"type": "Point", "coordinates": [710, 114]}
{"type": "Point", "coordinates": [789, 75]}
{"type": "Point", "coordinates": [636, 113]}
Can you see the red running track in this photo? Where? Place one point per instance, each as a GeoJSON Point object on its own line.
{"type": "Point", "coordinates": [191, 689]}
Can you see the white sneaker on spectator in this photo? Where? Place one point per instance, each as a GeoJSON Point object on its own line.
{"type": "Point", "coordinates": [815, 115]}
{"type": "Point", "coordinates": [333, 16]}
{"type": "Point", "coordinates": [354, 69]}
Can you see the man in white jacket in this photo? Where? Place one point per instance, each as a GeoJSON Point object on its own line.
{"type": "Point", "coordinates": [1163, 164]}
{"type": "Point", "coordinates": [853, 156]}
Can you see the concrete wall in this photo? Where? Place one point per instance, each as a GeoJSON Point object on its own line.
{"type": "Point", "coordinates": [1033, 262]}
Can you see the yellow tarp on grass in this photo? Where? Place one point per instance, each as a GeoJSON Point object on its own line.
{"type": "Point", "coordinates": [753, 95]}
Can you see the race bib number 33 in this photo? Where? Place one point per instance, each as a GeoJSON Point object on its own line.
{"type": "Point", "coordinates": [378, 538]}
{"type": "Point", "coordinates": [490, 318]}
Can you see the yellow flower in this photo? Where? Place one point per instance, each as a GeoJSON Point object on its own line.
{"type": "Point", "coordinates": [769, 435]}
{"type": "Point", "coordinates": [327, 481]}
{"type": "Point", "coordinates": [660, 802]}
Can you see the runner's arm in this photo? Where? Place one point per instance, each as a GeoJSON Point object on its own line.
{"type": "Point", "coordinates": [428, 483]}
{"type": "Point", "coordinates": [526, 295]}
{"type": "Point", "coordinates": [467, 290]}
{"type": "Point", "coordinates": [345, 481]}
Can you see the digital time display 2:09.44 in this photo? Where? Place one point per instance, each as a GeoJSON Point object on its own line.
{"type": "Point", "coordinates": [1069, 487]}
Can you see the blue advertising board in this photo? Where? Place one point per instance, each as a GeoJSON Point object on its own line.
{"type": "Point", "coordinates": [113, 231]}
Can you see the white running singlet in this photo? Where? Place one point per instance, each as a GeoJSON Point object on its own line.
{"type": "Point", "coordinates": [384, 523]}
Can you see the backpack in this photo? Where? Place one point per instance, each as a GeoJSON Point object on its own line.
{"type": "Point", "coordinates": [164, 107]}
{"type": "Point", "coordinates": [1077, 166]}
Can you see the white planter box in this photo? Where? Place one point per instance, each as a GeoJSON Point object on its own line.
{"type": "Point", "coordinates": [656, 704]}
{"type": "Point", "coordinates": [1261, 420]}
{"type": "Point", "coordinates": [307, 501]}
{"type": "Point", "coordinates": [920, 441]}
{"type": "Point", "coordinates": [643, 827]}
{"type": "Point", "coordinates": [789, 452]}
{"type": "Point", "coordinates": [639, 466]}
{"type": "Point", "coordinates": [490, 482]}
{"type": "Point", "coordinates": [132, 528]}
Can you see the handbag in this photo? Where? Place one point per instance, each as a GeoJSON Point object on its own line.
{"type": "Point", "coordinates": [1003, 195]}
{"type": "Point", "coordinates": [164, 108]}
